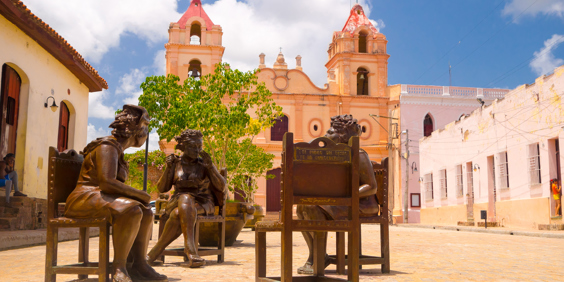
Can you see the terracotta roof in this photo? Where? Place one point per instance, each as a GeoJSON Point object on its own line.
{"type": "Point", "coordinates": [17, 13]}
{"type": "Point", "coordinates": [358, 18]}
{"type": "Point", "coordinates": [195, 10]}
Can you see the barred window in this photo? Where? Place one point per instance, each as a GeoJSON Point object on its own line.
{"type": "Point", "coordinates": [443, 182]}
{"type": "Point", "coordinates": [428, 187]}
{"type": "Point", "coordinates": [534, 164]}
{"type": "Point", "coordinates": [503, 169]}
{"type": "Point", "coordinates": [459, 181]}
{"type": "Point", "coordinates": [470, 179]}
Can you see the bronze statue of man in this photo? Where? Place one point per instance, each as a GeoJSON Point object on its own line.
{"type": "Point", "coordinates": [343, 127]}
{"type": "Point", "coordinates": [195, 178]}
{"type": "Point", "coordinates": [101, 192]}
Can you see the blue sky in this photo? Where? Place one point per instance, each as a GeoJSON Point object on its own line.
{"type": "Point", "coordinates": [489, 43]}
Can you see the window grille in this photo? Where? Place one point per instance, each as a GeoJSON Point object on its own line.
{"type": "Point", "coordinates": [443, 183]}
{"type": "Point", "coordinates": [459, 181]}
{"type": "Point", "coordinates": [503, 170]}
{"type": "Point", "coordinates": [534, 164]}
{"type": "Point", "coordinates": [470, 179]}
{"type": "Point", "coordinates": [429, 187]}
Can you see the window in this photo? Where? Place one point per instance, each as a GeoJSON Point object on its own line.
{"type": "Point", "coordinates": [503, 170]}
{"type": "Point", "coordinates": [459, 181]}
{"type": "Point", "coordinates": [415, 200]}
{"type": "Point", "coordinates": [427, 125]}
{"type": "Point", "coordinates": [428, 187]}
{"type": "Point", "coordinates": [362, 42]}
{"type": "Point", "coordinates": [362, 82]}
{"type": "Point", "coordinates": [279, 128]}
{"type": "Point", "coordinates": [195, 34]}
{"type": "Point", "coordinates": [195, 69]}
{"type": "Point", "coordinates": [63, 141]}
{"type": "Point", "coordinates": [443, 183]}
{"type": "Point", "coordinates": [470, 179]}
{"type": "Point", "coordinates": [534, 164]}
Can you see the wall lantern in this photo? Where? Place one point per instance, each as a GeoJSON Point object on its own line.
{"type": "Point", "coordinates": [53, 106]}
{"type": "Point", "coordinates": [420, 179]}
{"type": "Point", "coordinates": [476, 167]}
{"type": "Point", "coordinates": [413, 167]}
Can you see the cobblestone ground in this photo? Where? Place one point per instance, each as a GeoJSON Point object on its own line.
{"type": "Point", "coordinates": [416, 255]}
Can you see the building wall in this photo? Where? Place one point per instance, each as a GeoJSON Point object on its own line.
{"type": "Point", "coordinates": [528, 115]}
{"type": "Point", "coordinates": [42, 76]}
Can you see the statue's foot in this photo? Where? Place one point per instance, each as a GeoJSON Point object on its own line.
{"type": "Point", "coordinates": [153, 261]}
{"type": "Point", "coordinates": [307, 268]}
{"type": "Point", "coordinates": [195, 261]}
{"type": "Point", "coordinates": [121, 275]}
{"type": "Point", "coordinates": [144, 272]}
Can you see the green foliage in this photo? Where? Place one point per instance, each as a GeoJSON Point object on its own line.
{"type": "Point", "coordinates": [135, 179]}
{"type": "Point", "coordinates": [220, 105]}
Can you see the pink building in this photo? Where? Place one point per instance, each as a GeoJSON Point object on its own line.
{"type": "Point", "coordinates": [422, 110]}
{"type": "Point", "coordinates": [500, 158]}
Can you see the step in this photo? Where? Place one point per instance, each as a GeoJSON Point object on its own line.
{"type": "Point", "coordinates": [7, 223]}
{"type": "Point", "coordinates": [9, 212]}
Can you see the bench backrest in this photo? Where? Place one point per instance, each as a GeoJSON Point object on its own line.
{"type": "Point", "coordinates": [64, 169]}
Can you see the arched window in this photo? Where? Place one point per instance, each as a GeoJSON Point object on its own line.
{"type": "Point", "coordinates": [195, 69]}
{"type": "Point", "coordinates": [362, 81]}
{"type": "Point", "coordinates": [279, 128]}
{"type": "Point", "coordinates": [427, 126]}
{"type": "Point", "coordinates": [195, 33]}
{"type": "Point", "coordinates": [362, 42]}
{"type": "Point", "coordinates": [9, 105]}
{"type": "Point", "coordinates": [64, 118]}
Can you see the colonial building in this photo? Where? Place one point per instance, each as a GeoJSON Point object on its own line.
{"type": "Point", "coordinates": [499, 158]}
{"type": "Point", "coordinates": [39, 69]}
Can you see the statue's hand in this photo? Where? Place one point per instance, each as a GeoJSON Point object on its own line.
{"type": "Point", "coordinates": [208, 163]}
{"type": "Point", "coordinates": [170, 159]}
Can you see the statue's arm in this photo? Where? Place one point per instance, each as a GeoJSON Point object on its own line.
{"type": "Point", "coordinates": [367, 179]}
{"type": "Point", "coordinates": [165, 182]}
{"type": "Point", "coordinates": [215, 177]}
{"type": "Point", "coordinates": [107, 163]}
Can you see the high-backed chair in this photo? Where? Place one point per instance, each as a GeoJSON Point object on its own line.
{"type": "Point", "coordinates": [63, 172]}
{"type": "Point", "coordinates": [382, 219]}
{"type": "Point", "coordinates": [219, 217]}
{"type": "Point", "coordinates": [320, 172]}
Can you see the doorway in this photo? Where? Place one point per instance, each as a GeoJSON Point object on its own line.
{"type": "Point", "coordinates": [9, 105]}
{"type": "Point", "coordinates": [470, 191]}
{"type": "Point", "coordinates": [273, 191]}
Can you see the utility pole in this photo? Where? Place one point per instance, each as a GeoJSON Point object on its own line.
{"type": "Point", "coordinates": [145, 165]}
{"type": "Point", "coordinates": [391, 163]}
{"type": "Point", "coordinates": [406, 192]}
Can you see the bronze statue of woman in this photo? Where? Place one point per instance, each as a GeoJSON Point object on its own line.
{"type": "Point", "coordinates": [195, 178]}
{"type": "Point", "coordinates": [101, 192]}
{"type": "Point", "coordinates": [343, 127]}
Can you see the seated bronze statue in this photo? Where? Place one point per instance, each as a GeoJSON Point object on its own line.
{"type": "Point", "coordinates": [343, 127]}
{"type": "Point", "coordinates": [195, 178]}
{"type": "Point", "coordinates": [101, 192]}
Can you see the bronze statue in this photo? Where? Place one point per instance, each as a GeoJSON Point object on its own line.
{"type": "Point", "coordinates": [101, 192]}
{"type": "Point", "coordinates": [343, 127]}
{"type": "Point", "coordinates": [195, 178]}
{"type": "Point", "coordinates": [160, 203]}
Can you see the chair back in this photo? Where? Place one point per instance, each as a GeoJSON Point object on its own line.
{"type": "Point", "coordinates": [320, 172]}
{"type": "Point", "coordinates": [381, 174]}
{"type": "Point", "coordinates": [63, 172]}
{"type": "Point", "coordinates": [219, 195]}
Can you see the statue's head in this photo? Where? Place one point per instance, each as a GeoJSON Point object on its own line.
{"type": "Point", "coordinates": [132, 122]}
{"type": "Point", "coordinates": [190, 142]}
{"type": "Point", "coordinates": [343, 127]}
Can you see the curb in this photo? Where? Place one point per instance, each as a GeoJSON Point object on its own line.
{"type": "Point", "coordinates": [483, 230]}
{"type": "Point", "coordinates": [27, 238]}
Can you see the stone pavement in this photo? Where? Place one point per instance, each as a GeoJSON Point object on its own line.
{"type": "Point", "coordinates": [417, 254]}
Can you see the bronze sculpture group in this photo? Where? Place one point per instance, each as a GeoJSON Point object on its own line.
{"type": "Point", "coordinates": [101, 192]}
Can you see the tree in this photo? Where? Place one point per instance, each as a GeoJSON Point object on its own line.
{"type": "Point", "coordinates": [219, 105]}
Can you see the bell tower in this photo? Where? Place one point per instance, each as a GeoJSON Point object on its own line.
{"type": "Point", "coordinates": [194, 44]}
{"type": "Point", "coordinates": [358, 61]}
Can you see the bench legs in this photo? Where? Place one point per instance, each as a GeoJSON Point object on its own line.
{"type": "Point", "coordinates": [260, 255]}
{"type": "Point", "coordinates": [83, 243]}
{"type": "Point", "coordinates": [51, 253]}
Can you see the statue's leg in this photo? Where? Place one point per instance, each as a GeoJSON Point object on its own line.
{"type": "Point", "coordinates": [141, 269]}
{"type": "Point", "coordinates": [171, 231]}
{"type": "Point", "coordinates": [188, 213]}
{"type": "Point", "coordinates": [309, 212]}
{"type": "Point", "coordinates": [125, 228]}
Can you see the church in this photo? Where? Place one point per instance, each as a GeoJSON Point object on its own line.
{"type": "Point", "coordinates": [357, 84]}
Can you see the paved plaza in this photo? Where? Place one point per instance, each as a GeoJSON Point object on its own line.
{"type": "Point", "coordinates": [417, 254]}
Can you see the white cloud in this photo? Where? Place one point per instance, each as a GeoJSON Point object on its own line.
{"type": "Point", "coordinates": [96, 107]}
{"type": "Point", "coordinates": [94, 132]}
{"type": "Point", "coordinates": [153, 144]}
{"type": "Point", "coordinates": [159, 62]}
{"type": "Point", "coordinates": [129, 85]}
{"type": "Point", "coordinates": [544, 60]}
{"type": "Point", "coordinates": [93, 27]}
{"type": "Point", "coordinates": [529, 8]}
{"type": "Point", "coordinates": [300, 27]}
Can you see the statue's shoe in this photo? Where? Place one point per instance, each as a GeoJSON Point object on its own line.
{"type": "Point", "coordinates": [194, 262]}
{"type": "Point", "coordinates": [154, 277]}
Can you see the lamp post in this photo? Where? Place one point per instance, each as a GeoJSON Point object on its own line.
{"type": "Point", "coordinates": [145, 165]}
{"type": "Point", "coordinates": [406, 191]}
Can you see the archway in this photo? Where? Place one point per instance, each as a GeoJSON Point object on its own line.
{"type": "Point", "coordinates": [362, 81]}
{"type": "Point", "coordinates": [195, 34]}
{"type": "Point", "coordinates": [195, 69]}
{"type": "Point", "coordinates": [428, 126]}
{"type": "Point", "coordinates": [362, 41]}
{"type": "Point", "coordinates": [9, 104]}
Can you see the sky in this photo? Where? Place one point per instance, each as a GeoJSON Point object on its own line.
{"type": "Point", "coordinates": [487, 43]}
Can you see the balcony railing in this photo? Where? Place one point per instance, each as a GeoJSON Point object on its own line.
{"type": "Point", "coordinates": [429, 90]}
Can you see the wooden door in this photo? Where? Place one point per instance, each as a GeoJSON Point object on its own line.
{"type": "Point", "coordinates": [10, 96]}
{"type": "Point", "coordinates": [273, 191]}
{"type": "Point", "coordinates": [63, 141]}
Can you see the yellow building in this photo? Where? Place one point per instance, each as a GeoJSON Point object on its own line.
{"type": "Point", "coordinates": [40, 68]}
{"type": "Point", "coordinates": [356, 84]}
